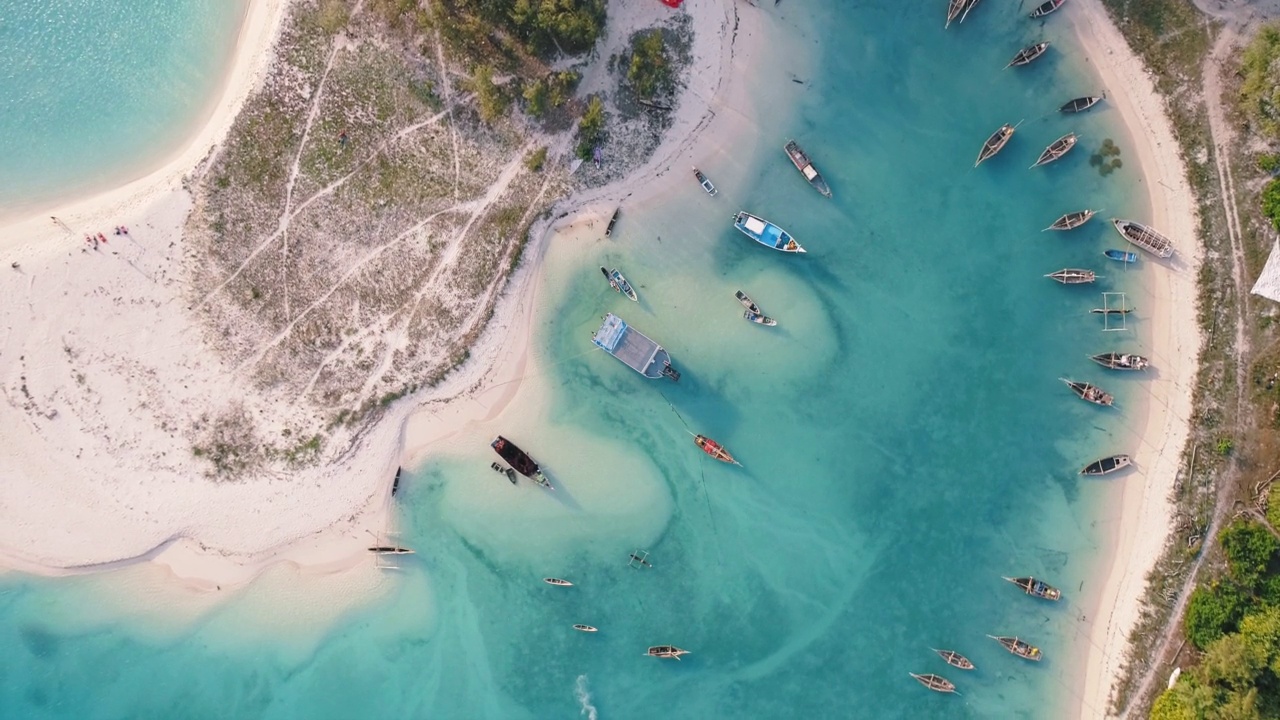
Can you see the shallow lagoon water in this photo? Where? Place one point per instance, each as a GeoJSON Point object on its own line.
{"type": "Point", "coordinates": [904, 436]}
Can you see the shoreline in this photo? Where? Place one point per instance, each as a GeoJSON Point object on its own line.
{"type": "Point", "coordinates": [1132, 548]}
{"type": "Point", "coordinates": [213, 535]}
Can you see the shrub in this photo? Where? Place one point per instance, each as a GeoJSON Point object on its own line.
{"type": "Point", "coordinates": [492, 101]}
{"type": "Point", "coordinates": [1214, 611]}
{"type": "Point", "coordinates": [1260, 91]}
{"type": "Point", "coordinates": [536, 159]}
{"type": "Point", "coordinates": [1271, 202]}
{"type": "Point", "coordinates": [650, 69]}
{"type": "Point", "coordinates": [590, 128]}
{"type": "Point", "coordinates": [1250, 549]}
{"type": "Point", "coordinates": [1269, 162]}
{"type": "Point", "coordinates": [535, 98]}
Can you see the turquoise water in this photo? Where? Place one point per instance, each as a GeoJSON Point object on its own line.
{"type": "Point", "coordinates": [904, 437]}
{"type": "Point", "coordinates": [92, 91]}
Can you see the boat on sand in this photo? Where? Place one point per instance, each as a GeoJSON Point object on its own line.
{"type": "Point", "coordinates": [1144, 237]}
{"type": "Point", "coordinates": [704, 182]}
{"type": "Point", "coordinates": [1121, 361]}
{"type": "Point", "coordinates": [1107, 465]}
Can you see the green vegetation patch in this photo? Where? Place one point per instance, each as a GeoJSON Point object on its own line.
{"type": "Point", "coordinates": [1260, 91]}
{"type": "Point", "coordinates": [650, 68]}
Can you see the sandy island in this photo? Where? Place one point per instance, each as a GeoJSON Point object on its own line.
{"type": "Point", "coordinates": [95, 482]}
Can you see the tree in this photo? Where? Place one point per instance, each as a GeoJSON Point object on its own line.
{"type": "Point", "coordinates": [492, 101]}
{"type": "Point", "coordinates": [1250, 550]}
{"type": "Point", "coordinates": [535, 98]}
{"type": "Point", "coordinates": [650, 71]}
{"type": "Point", "coordinates": [1271, 202]}
{"type": "Point", "coordinates": [1214, 610]}
{"type": "Point", "coordinates": [1260, 91]}
{"type": "Point", "coordinates": [590, 128]}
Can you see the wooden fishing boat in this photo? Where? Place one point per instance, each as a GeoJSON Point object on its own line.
{"type": "Point", "coordinates": [557, 582]}
{"type": "Point", "coordinates": [1037, 588]}
{"type": "Point", "coordinates": [395, 483]}
{"type": "Point", "coordinates": [612, 221]}
{"type": "Point", "coordinates": [521, 461]}
{"type": "Point", "coordinates": [714, 449]}
{"type": "Point", "coordinates": [954, 8]}
{"type": "Point", "coordinates": [666, 651]}
{"type": "Point", "coordinates": [954, 659]}
{"type": "Point", "coordinates": [1027, 54]}
{"type": "Point", "coordinates": [1046, 7]}
{"type": "Point", "coordinates": [766, 233]}
{"type": "Point", "coordinates": [390, 550]}
{"type": "Point", "coordinates": [1081, 104]}
{"type": "Point", "coordinates": [1071, 220]}
{"type": "Point", "coordinates": [936, 683]}
{"type": "Point", "coordinates": [1056, 149]}
{"type": "Point", "coordinates": [1144, 237]}
{"type": "Point", "coordinates": [1121, 361]}
{"type": "Point", "coordinates": [758, 319]}
{"type": "Point", "coordinates": [704, 182]}
{"type": "Point", "coordinates": [1111, 311]}
{"type": "Point", "coordinates": [1123, 256]}
{"type": "Point", "coordinates": [1021, 648]}
{"type": "Point", "coordinates": [972, 4]}
{"type": "Point", "coordinates": [802, 162]}
{"type": "Point", "coordinates": [618, 282]}
{"type": "Point", "coordinates": [1107, 465]}
{"type": "Point", "coordinates": [995, 143]}
{"type": "Point", "coordinates": [1073, 276]}
{"type": "Point", "coordinates": [747, 302]}
{"type": "Point", "coordinates": [585, 628]}
{"type": "Point", "coordinates": [1090, 393]}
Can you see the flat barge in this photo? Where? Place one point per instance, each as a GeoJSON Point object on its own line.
{"type": "Point", "coordinates": [634, 349]}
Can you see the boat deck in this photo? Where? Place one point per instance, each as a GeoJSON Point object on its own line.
{"type": "Point", "coordinates": [631, 346]}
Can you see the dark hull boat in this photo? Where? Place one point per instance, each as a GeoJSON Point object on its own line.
{"type": "Point", "coordinates": [1111, 311]}
{"type": "Point", "coordinates": [995, 143]}
{"type": "Point", "coordinates": [395, 484]}
{"type": "Point", "coordinates": [670, 652]}
{"type": "Point", "coordinates": [1037, 588]}
{"type": "Point", "coordinates": [1018, 647]}
{"type": "Point", "coordinates": [612, 221]}
{"type": "Point", "coordinates": [1090, 393]}
{"type": "Point", "coordinates": [704, 182]}
{"type": "Point", "coordinates": [1056, 149]}
{"type": "Point", "coordinates": [1107, 465]}
{"type": "Point", "coordinates": [714, 449]}
{"type": "Point", "coordinates": [618, 282]}
{"type": "Point", "coordinates": [1071, 220]}
{"type": "Point", "coordinates": [1045, 8]}
{"type": "Point", "coordinates": [390, 550]}
{"type": "Point", "coordinates": [753, 312]}
{"type": "Point", "coordinates": [954, 8]}
{"type": "Point", "coordinates": [520, 460]}
{"type": "Point", "coordinates": [1027, 54]}
{"type": "Point", "coordinates": [1073, 276]}
{"type": "Point", "coordinates": [936, 683]}
{"type": "Point", "coordinates": [747, 302]}
{"type": "Point", "coordinates": [1145, 238]}
{"type": "Point", "coordinates": [954, 659]}
{"type": "Point", "coordinates": [1123, 256]}
{"type": "Point", "coordinates": [1121, 361]}
{"type": "Point", "coordinates": [802, 162]}
{"type": "Point", "coordinates": [1080, 104]}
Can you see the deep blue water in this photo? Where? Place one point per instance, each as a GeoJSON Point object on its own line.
{"type": "Point", "coordinates": [904, 436]}
{"type": "Point", "coordinates": [91, 92]}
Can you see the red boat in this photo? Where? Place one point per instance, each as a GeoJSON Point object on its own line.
{"type": "Point", "coordinates": [672, 3]}
{"type": "Point", "coordinates": [714, 449]}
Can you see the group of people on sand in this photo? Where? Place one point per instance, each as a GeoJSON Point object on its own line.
{"type": "Point", "coordinates": [95, 240]}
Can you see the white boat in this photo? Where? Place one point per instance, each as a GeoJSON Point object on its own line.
{"type": "Point", "coordinates": [634, 349]}
{"type": "Point", "coordinates": [1144, 237]}
{"type": "Point", "coordinates": [585, 628]}
{"type": "Point", "coordinates": [670, 652]}
{"type": "Point", "coordinates": [766, 233]}
{"type": "Point", "coordinates": [557, 582]}
{"type": "Point", "coordinates": [704, 181]}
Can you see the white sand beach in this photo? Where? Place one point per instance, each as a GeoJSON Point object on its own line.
{"type": "Point", "coordinates": [1142, 520]}
{"type": "Point", "coordinates": [97, 345]}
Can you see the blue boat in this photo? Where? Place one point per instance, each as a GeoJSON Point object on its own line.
{"type": "Point", "coordinates": [1122, 256]}
{"type": "Point", "coordinates": [766, 233]}
{"type": "Point", "coordinates": [634, 349]}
